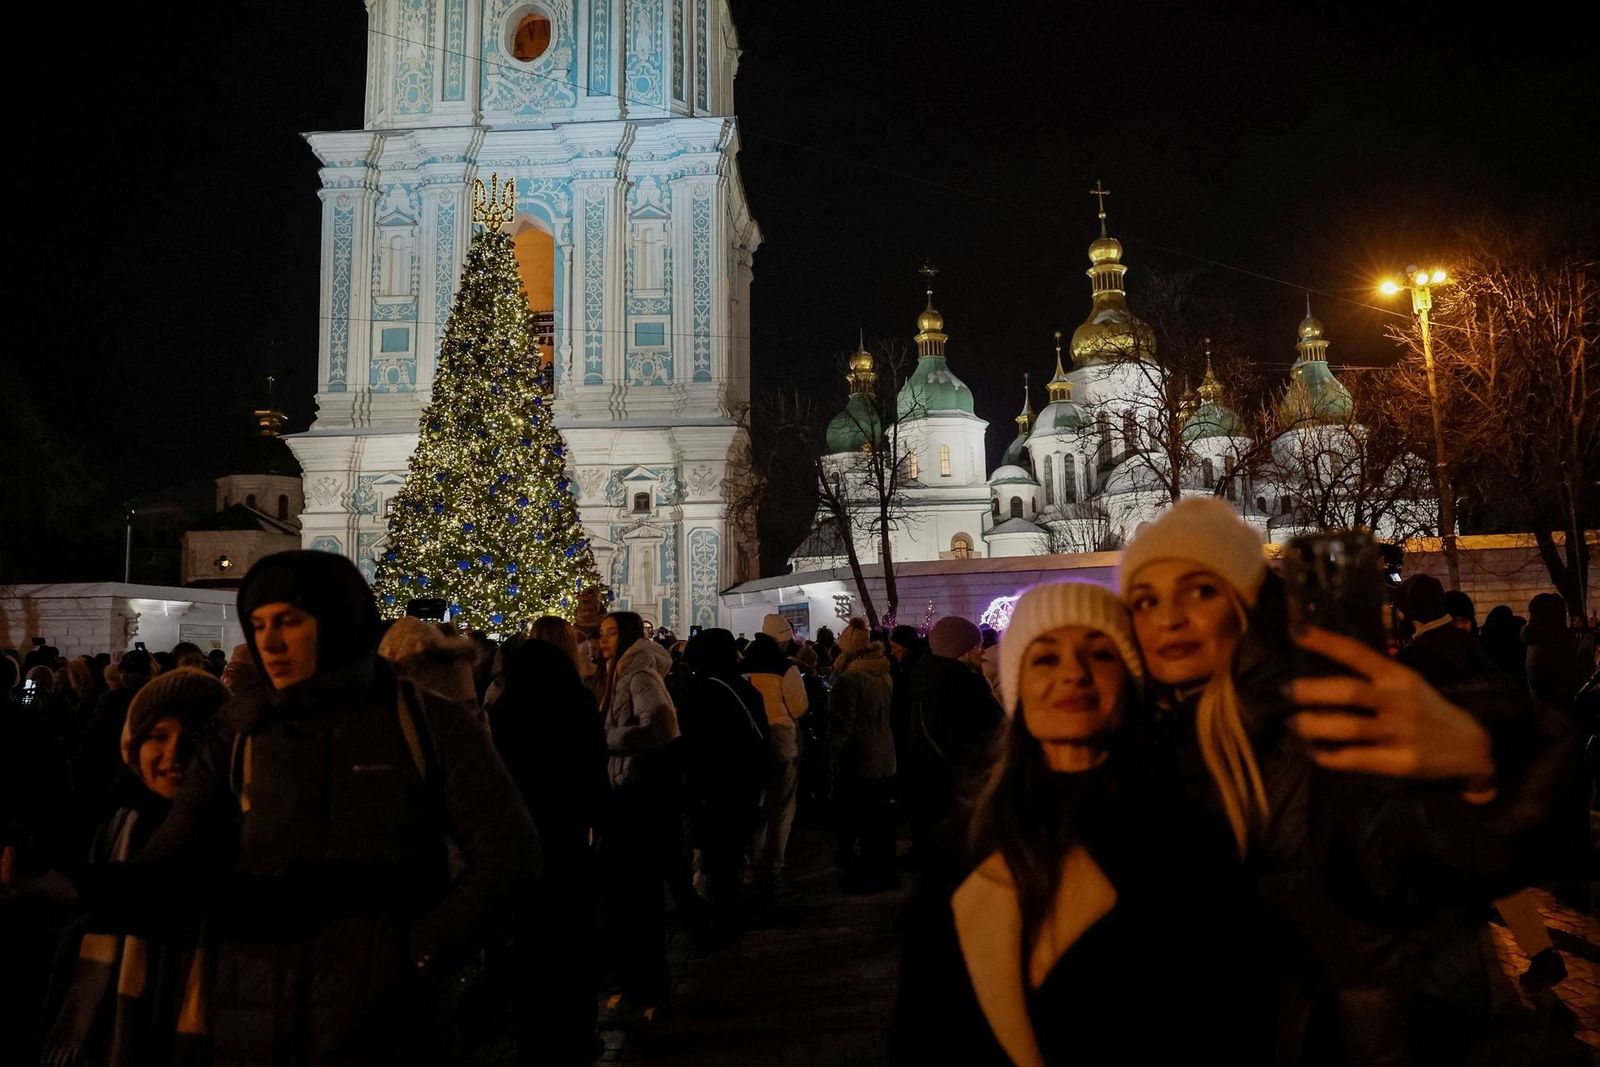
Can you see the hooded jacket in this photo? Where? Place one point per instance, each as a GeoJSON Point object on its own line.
{"type": "Point", "coordinates": [317, 839]}
{"type": "Point", "coordinates": [861, 733]}
{"type": "Point", "coordinates": [640, 717]}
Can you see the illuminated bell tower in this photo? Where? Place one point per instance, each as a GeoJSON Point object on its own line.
{"type": "Point", "coordinates": [615, 120]}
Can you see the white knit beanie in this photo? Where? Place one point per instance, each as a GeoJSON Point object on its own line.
{"type": "Point", "coordinates": [1044, 608]}
{"type": "Point", "coordinates": [777, 627]}
{"type": "Point", "coordinates": [1203, 530]}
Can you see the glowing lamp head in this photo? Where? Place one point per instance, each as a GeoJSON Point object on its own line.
{"type": "Point", "coordinates": [1422, 277]}
{"type": "Point", "coordinates": [1438, 277]}
{"type": "Point", "coordinates": [1389, 287]}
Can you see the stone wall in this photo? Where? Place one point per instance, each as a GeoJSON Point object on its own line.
{"type": "Point", "coordinates": [1499, 569]}
{"type": "Point", "coordinates": [92, 617]}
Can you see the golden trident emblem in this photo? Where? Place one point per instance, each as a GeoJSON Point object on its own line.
{"type": "Point", "coordinates": [493, 207]}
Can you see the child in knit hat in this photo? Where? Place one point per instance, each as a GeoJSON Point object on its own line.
{"type": "Point", "coordinates": [144, 990]}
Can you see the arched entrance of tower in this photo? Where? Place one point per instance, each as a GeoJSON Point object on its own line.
{"type": "Point", "coordinates": [535, 247]}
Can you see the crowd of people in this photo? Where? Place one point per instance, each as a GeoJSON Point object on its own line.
{"type": "Point", "coordinates": [320, 848]}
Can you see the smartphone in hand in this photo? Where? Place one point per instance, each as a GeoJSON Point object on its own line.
{"type": "Point", "coordinates": [1334, 580]}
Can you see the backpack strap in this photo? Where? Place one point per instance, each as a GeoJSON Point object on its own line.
{"type": "Point", "coordinates": [239, 770]}
{"type": "Point", "coordinates": [751, 719]}
{"type": "Point", "coordinates": [414, 728]}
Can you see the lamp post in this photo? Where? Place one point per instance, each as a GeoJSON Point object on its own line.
{"type": "Point", "coordinates": [1420, 283]}
{"type": "Point", "coordinates": [127, 543]}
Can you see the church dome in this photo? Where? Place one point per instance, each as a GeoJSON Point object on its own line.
{"type": "Point", "coordinates": [1315, 395]}
{"type": "Point", "coordinates": [1310, 329]}
{"type": "Point", "coordinates": [1111, 332]}
{"type": "Point", "coordinates": [931, 389]}
{"type": "Point", "coordinates": [930, 321]}
{"type": "Point", "coordinates": [1105, 250]}
{"type": "Point", "coordinates": [1011, 474]}
{"type": "Point", "coordinates": [1213, 419]}
{"type": "Point", "coordinates": [856, 428]}
{"type": "Point", "coordinates": [263, 454]}
{"type": "Point", "coordinates": [1059, 415]}
{"type": "Point", "coordinates": [1016, 453]}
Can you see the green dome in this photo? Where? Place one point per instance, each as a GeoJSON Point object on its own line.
{"type": "Point", "coordinates": [1059, 415]}
{"type": "Point", "coordinates": [1213, 420]}
{"type": "Point", "coordinates": [854, 428]}
{"type": "Point", "coordinates": [1012, 474]}
{"type": "Point", "coordinates": [932, 390]}
{"type": "Point", "coordinates": [1315, 395]}
{"type": "Point", "coordinates": [1016, 453]}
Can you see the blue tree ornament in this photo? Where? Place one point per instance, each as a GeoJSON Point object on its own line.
{"type": "Point", "coordinates": [462, 565]}
{"type": "Point", "coordinates": [511, 520]}
{"type": "Point", "coordinates": [522, 501]}
{"type": "Point", "coordinates": [389, 556]}
{"type": "Point", "coordinates": [438, 507]}
{"type": "Point", "coordinates": [388, 598]}
{"type": "Point", "coordinates": [439, 477]}
{"type": "Point", "coordinates": [468, 527]}
{"type": "Point", "coordinates": [497, 618]}
{"type": "Point", "coordinates": [511, 568]}
{"type": "Point", "coordinates": [486, 559]}
{"type": "Point", "coordinates": [422, 580]}
{"type": "Point", "coordinates": [527, 442]}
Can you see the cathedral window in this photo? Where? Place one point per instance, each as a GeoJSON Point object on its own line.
{"type": "Point", "coordinates": [1016, 507]}
{"type": "Point", "coordinates": [911, 464]}
{"type": "Point", "coordinates": [1208, 474]}
{"type": "Point", "coordinates": [250, 501]}
{"type": "Point", "coordinates": [961, 546]}
{"type": "Point", "coordinates": [1049, 483]}
{"type": "Point", "coordinates": [1130, 430]}
{"type": "Point", "coordinates": [283, 506]}
{"type": "Point", "coordinates": [944, 461]}
{"type": "Point", "coordinates": [1285, 502]}
{"type": "Point", "coordinates": [1261, 504]}
{"type": "Point", "coordinates": [1069, 479]}
{"type": "Point", "coordinates": [531, 38]}
{"type": "Point", "coordinates": [641, 503]}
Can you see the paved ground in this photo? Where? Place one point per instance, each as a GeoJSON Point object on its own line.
{"type": "Point", "coordinates": [812, 985]}
{"type": "Point", "coordinates": [1553, 1023]}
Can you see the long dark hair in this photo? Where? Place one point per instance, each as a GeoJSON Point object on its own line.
{"type": "Point", "coordinates": [630, 630]}
{"type": "Point", "coordinates": [1019, 815]}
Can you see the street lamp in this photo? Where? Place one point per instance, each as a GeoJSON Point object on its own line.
{"type": "Point", "coordinates": [1419, 283]}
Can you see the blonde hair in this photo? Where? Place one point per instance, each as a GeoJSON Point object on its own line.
{"type": "Point", "coordinates": [1226, 748]}
{"type": "Point", "coordinates": [554, 630]}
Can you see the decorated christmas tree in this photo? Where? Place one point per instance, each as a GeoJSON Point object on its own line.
{"type": "Point", "coordinates": [486, 520]}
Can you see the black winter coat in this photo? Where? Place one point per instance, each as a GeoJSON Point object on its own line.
{"type": "Point", "coordinates": [306, 827]}
{"type": "Point", "coordinates": [951, 722]}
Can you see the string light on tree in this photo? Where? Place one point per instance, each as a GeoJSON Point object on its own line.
{"type": "Point", "coordinates": [486, 519]}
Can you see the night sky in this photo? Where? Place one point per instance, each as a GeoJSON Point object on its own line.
{"type": "Point", "coordinates": [175, 233]}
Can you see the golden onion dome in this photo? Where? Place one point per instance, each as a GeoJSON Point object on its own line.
{"type": "Point", "coordinates": [1310, 329]}
{"type": "Point", "coordinates": [1105, 250]}
{"type": "Point", "coordinates": [861, 361]}
{"type": "Point", "coordinates": [930, 321]}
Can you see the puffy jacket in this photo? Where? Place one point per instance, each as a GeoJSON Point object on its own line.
{"type": "Point", "coordinates": [861, 734]}
{"type": "Point", "coordinates": [640, 717]}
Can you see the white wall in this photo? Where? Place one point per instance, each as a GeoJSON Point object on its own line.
{"type": "Point", "coordinates": [92, 617]}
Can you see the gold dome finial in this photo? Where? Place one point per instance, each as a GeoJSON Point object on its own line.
{"type": "Point", "coordinates": [1060, 386]}
{"type": "Point", "coordinates": [930, 324]}
{"type": "Point", "coordinates": [1025, 419]}
{"type": "Point", "coordinates": [269, 418]}
{"type": "Point", "coordinates": [1100, 192]}
{"type": "Point", "coordinates": [492, 207]}
{"type": "Point", "coordinates": [1210, 390]}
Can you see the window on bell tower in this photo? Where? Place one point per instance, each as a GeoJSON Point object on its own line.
{"type": "Point", "coordinates": [911, 464]}
{"type": "Point", "coordinates": [944, 461]}
{"type": "Point", "coordinates": [531, 38]}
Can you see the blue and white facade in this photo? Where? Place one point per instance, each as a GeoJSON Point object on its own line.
{"type": "Point", "coordinates": [634, 237]}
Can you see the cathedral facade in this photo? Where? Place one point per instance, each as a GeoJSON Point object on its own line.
{"type": "Point", "coordinates": [615, 120]}
{"type": "Point", "coordinates": [1091, 467]}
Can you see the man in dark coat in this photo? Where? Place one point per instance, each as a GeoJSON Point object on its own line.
{"type": "Point", "coordinates": [314, 826]}
{"type": "Point", "coordinates": [951, 720]}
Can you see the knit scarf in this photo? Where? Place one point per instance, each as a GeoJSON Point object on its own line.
{"type": "Point", "coordinates": [130, 1001]}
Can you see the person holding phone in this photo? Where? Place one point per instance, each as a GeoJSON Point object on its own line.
{"type": "Point", "coordinates": [1375, 816]}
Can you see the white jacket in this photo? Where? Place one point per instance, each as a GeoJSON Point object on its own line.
{"type": "Point", "coordinates": [639, 713]}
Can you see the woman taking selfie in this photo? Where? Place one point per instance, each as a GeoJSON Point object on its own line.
{"type": "Point", "coordinates": [1076, 887]}
{"type": "Point", "coordinates": [1376, 817]}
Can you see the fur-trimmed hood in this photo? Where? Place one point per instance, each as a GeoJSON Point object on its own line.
{"type": "Point", "coordinates": [872, 659]}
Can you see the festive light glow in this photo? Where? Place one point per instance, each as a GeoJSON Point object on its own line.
{"type": "Point", "coordinates": [450, 519]}
{"type": "Point", "coordinates": [998, 614]}
{"type": "Point", "coordinates": [1389, 287]}
{"type": "Point", "coordinates": [1438, 277]}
